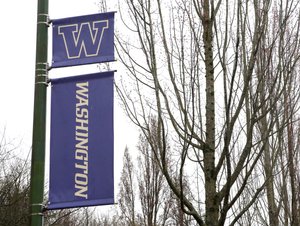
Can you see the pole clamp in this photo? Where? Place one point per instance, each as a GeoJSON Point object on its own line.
{"type": "Point", "coordinates": [41, 70]}
{"type": "Point", "coordinates": [43, 19]}
{"type": "Point", "coordinates": [41, 208]}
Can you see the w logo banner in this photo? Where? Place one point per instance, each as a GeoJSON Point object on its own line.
{"type": "Point", "coordinates": [83, 40]}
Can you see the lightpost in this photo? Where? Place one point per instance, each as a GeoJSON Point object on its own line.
{"type": "Point", "coordinates": [39, 117]}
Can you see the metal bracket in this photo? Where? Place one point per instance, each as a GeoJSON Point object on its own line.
{"type": "Point", "coordinates": [43, 19]}
{"type": "Point", "coordinates": [43, 83]}
{"type": "Point", "coordinates": [42, 64]}
{"type": "Point", "coordinates": [37, 214]}
{"type": "Point", "coordinates": [42, 206]}
{"type": "Point", "coordinates": [42, 73]}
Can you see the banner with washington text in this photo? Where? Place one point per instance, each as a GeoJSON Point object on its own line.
{"type": "Point", "coordinates": [81, 141]}
{"type": "Point", "coordinates": [83, 40]}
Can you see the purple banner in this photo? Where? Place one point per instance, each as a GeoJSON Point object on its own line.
{"type": "Point", "coordinates": [83, 40]}
{"type": "Point", "coordinates": [81, 141]}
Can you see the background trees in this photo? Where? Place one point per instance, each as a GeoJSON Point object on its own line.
{"type": "Point", "coordinates": [14, 185]}
{"type": "Point", "coordinates": [219, 77]}
{"type": "Point", "coordinates": [144, 196]}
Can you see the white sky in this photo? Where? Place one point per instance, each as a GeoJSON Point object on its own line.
{"type": "Point", "coordinates": [17, 60]}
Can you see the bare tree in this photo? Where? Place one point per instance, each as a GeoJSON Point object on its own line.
{"type": "Point", "coordinates": [105, 220]}
{"type": "Point", "coordinates": [154, 194]}
{"type": "Point", "coordinates": [14, 195]}
{"type": "Point", "coordinates": [145, 198]}
{"type": "Point", "coordinates": [128, 191]}
{"type": "Point", "coordinates": [278, 54]}
{"type": "Point", "coordinates": [14, 185]}
{"type": "Point", "coordinates": [212, 73]}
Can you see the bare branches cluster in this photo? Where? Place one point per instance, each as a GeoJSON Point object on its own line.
{"type": "Point", "coordinates": [145, 198]}
{"type": "Point", "coordinates": [221, 80]}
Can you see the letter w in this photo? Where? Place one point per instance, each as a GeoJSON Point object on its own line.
{"type": "Point", "coordinates": [84, 40]}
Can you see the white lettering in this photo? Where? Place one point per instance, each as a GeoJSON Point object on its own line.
{"type": "Point", "coordinates": [81, 137]}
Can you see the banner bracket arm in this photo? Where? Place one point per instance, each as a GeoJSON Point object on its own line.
{"type": "Point", "coordinates": [41, 70]}
{"type": "Point", "coordinates": [44, 19]}
{"type": "Point", "coordinates": [40, 206]}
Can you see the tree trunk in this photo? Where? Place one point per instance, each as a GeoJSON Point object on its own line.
{"type": "Point", "coordinates": [211, 202]}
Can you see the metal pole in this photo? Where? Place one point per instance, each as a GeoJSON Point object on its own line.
{"type": "Point", "coordinates": [39, 117]}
